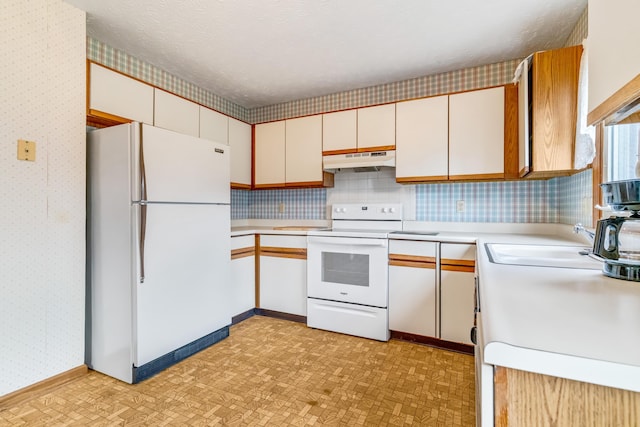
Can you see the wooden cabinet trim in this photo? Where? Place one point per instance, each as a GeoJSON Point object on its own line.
{"type": "Point", "coordinates": [239, 186]}
{"type": "Point", "coordinates": [413, 258]}
{"type": "Point", "coordinates": [485, 176]}
{"type": "Point", "coordinates": [243, 252]}
{"type": "Point", "coordinates": [621, 98]}
{"type": "Point", "coordinates": [412, 264]}
{"type": "Point", "coordinates": [461, 262]}
{"type": "Point", "coordinates": [335, 152]}
{"type": "Point", "coordinates": [102, 119]}
{"type": "Point", "coordinates": [460, 268]}
{"type": "Point", "coordinates": [418, 179]}
{"type": "Point", "coordinates": [272, 251]}
{"type": "Point", "coordinates": [462, 265]}
{"type": "Point", "coordinates": [378, 148]}
{"type": "Point", "coordinates": [511, 132]}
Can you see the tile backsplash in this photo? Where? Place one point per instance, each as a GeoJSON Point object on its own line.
{"type": "Point", "coordinates": [565, 200]}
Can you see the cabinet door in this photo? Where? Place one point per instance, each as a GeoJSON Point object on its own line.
{"type": "Point", "coordinates": [412, 299]}
{"type": "Point", "coordinates": [304, 150]}
{"type": "Point", "coordinates": [243, 274]}
{"type": "Point", "coordinates": [412, 287]}
{"type": "Point", "coordinates": [476, 134]}
{"type": "Point", "coordinates": [339, 131]}
{"type": "Point", "coordinates": [269, 154]}
{"type": "Point", "coordinates": [116, 94]}
{"type": "Point", "coordinates": [554, 99]}
{"type": "Point", "coordinates": [457, 284]}
{"type": "Point", "coordinates": [377, 127]}
{"type": "Point", "coordinates": [422, 139]}
{"type": "Point", "coordinates": [240, 142]}
{"type": "Point", "coordinates": [613, 46]}
{"type": "Point", "coordinates": [213, 126]}
{"type": "Point", "coordinates": [283, 275]}
{"type": "Point", "coordinates": [176, 114]}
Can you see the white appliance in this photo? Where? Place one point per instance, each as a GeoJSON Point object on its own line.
{"type": "Point", "coordinates": [158, 248]}
{"type": "Point", "coordinates": [360, 161]}
{"type": "Point", "coordinates": [347, 270]}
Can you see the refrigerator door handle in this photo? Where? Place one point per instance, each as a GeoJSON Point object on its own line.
{"type": "Point", "coordinates": [143, 232]}
{"type": "Point", "coordinates": [143, 207]}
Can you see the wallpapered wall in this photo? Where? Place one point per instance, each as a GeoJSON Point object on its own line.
{"type": "Point", "coordinates": [42, 213]}
{"type": "Point", "coordinates": [562, 200]}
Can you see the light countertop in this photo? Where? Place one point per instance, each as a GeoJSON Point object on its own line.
{"type": "Point", "coordinates": [564, 322]}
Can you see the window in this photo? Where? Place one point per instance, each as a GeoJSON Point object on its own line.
{"type": "Point", "coordinates": [621, 152]}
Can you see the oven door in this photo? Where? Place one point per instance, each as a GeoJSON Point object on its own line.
{"type": "Point", "coordinates": [348, 269]}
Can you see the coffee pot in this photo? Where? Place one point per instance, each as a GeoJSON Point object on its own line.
{"type": "Point", "coordinates": [617, 239]}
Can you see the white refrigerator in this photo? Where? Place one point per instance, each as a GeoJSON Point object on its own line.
{"type": "Point", "coordinates": [158, 248]}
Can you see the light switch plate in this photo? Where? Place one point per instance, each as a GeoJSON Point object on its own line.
{"type": "Point", "coordinates": [26, 150]}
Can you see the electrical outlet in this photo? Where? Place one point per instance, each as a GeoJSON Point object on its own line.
{"type": "Point", "coordinates": [281, 208]}
{"type": "Point", "coordinates": [460, 206]}
{"type": "Point", "coordinates": [26, 150]}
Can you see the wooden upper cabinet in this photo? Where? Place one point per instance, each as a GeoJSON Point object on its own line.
{"type": "Point", "coordinates": [553, 98]}
{"type": "Point", "coordinates": [240, 143]}
{"type": "Point", "coordinates": [339, 132]}
{"type": "Point", "coordinates": [214, 126]}
{"type": "Point", "coordinates": [422, 140]}
{"type": "Point", "coordinates": [303, 162]}
{"type": "Point", "coordinates": [377, 128]}
{"type": "Point", "coordinates": [118, 98]}
{"type": "Point", "coordinates": [476, 134]}
{"type": "Point", "coordinates": [269, 166]}
{"type": "Point", "coordinates": [175, 113]}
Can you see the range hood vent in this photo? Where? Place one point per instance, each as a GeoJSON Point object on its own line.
{"type": "Point", "coordinates": [360, 162]}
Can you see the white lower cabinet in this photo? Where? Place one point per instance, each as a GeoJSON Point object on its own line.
{"type": "Point", "coordinates": [243, 280]}
{"type": "Point", "coordinates": [457, 284]}
{"type": "Point", "coordinates": [283, 274]}
{"type": "Point", "coordinates": [430, 301]}
{"type": "Point", "coordinates": [412, 287]}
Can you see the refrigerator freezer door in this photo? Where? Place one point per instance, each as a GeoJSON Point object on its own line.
{"type": "Point", "coordinates": [182, 168]}
{"type": "Point", "coordinates": [185, 292]}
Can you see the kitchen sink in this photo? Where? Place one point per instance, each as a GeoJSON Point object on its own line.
{"type": "Point", "coordinates": [559, 256]}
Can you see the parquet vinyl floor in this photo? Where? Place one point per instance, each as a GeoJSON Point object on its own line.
{"type": "Point", "coordinates": [272, 372]}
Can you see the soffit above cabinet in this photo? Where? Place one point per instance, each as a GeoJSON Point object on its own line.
{"type": "Point", "coordinates": [257, 53]}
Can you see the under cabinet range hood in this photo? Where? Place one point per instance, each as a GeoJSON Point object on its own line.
{"type": "Point", "coordinates": [360, 162]}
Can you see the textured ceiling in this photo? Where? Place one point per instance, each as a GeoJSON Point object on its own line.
{"type": "Point", "coordinates": [262, 52]}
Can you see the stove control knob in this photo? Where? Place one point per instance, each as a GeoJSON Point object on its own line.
{"type": "Point", "coordinates": [385, 210]}
{"type": "Point", "coordinates": [392, 210]}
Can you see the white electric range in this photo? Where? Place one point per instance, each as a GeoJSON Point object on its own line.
{"type": "Point", "coordinates": [347, 270]}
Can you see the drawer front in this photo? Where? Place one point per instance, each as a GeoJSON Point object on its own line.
{"type": "Point", "coordinates": [410, 247]}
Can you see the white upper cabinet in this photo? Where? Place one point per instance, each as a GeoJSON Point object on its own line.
{"type": "Point", "coordinates": [116, 94]}
{"type": "Point", "coordinates": [613, 49]}
{"type": "Point", "coordinates": [377, 126]}
{"type": "Point", "coordinates": [176, 114]}
{"type": "Point", "coordinates": [422, 139]}
{"type": "Point", "coordinates": [339, 131]}
{"type": "Point", "coordinates": [240, 142]}
{"type": "Point", "coordinates": [476, 134]}
{"type": "Point", "coordinates": [304, 150]}
{"type": "Point", "coordinates": [213, 125]}
{"type": "Point", "coordinates": [269, 167]}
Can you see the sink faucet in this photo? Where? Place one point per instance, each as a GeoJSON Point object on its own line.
{"type": "Point", "coordinates": [579, 229]}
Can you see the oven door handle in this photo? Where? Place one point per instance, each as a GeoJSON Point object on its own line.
{"type": "Point", "coordinates": [347, 241]}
